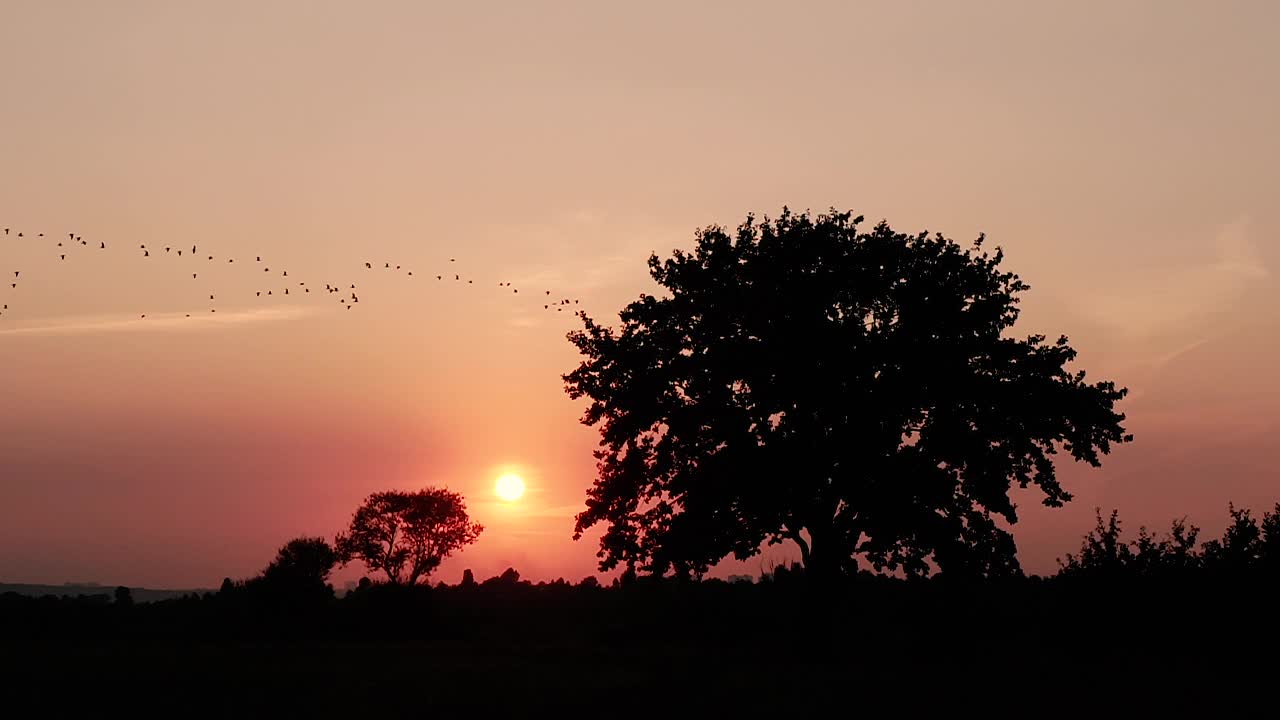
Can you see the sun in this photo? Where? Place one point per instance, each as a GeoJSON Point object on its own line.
{"type": "Point", "coordinates": [509, 487]}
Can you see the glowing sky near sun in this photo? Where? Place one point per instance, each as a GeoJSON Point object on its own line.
{"type": "Point", "coordinates": [1124, 154]}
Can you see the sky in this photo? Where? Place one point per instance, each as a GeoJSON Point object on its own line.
{"type": "Point", "coordinates": [1124, 155]}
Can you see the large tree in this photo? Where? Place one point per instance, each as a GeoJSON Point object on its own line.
{"type": "Point", "coordinates": [858, 393]}
{"type": "Point", "coordinates": [407, 534]}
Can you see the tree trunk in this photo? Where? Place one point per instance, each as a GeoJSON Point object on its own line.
{"type": "Point", "coordinates": [826, 557]}
{"type": "Point", "coordinates": [804, 547]}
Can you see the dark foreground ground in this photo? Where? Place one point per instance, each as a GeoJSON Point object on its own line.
{"type": "Point", "coordinates": [873, 649]}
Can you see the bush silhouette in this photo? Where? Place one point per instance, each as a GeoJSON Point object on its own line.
{"type": "Point", "coordinates": [1247, 547]}
{"type": "Point", "coordinates": [302, 562]}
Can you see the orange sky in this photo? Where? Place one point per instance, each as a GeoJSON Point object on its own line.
{"type": "Point", "coordinates": [1124, 154]}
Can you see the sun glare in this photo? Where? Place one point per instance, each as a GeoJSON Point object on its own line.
{"type": "Point", "coordinates": [509, 487]}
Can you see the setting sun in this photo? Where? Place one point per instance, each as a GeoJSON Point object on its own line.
{"type": "Point", "coordinates": [509, 487]}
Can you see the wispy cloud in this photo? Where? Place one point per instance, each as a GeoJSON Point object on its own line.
{"type": "Point", "coordinates": [1156, 302]}
{"type": "Point", "coordinates": [164, 322]}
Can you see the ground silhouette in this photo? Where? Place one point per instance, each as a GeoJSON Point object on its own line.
{"type": "Point", "coordinates": [857, 392]}
{"type": "Point", "coordinates": [1192, 641]}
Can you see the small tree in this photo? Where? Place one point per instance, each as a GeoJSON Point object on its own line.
{"type": "Point", "coordinates": [302, 561]}
{"type": "Point", "coordinates": [1240, 547]}
{"type": "Point", "coordinates": [1270, 542]}
{"type": "Point", "coordinates": [1104, 551]}
{"type": "Point", "coordinates": [407, 534]}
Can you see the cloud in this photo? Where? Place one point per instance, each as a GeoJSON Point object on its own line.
{"type": "Point", "coordinates": [83, 324]}
{"type": "Point", "coordinates": [1237, 253]}
{"type": "Point", "coordinates": [1168, 302]}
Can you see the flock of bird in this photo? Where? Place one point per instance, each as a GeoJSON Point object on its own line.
{"type": "Point", "coordinates": [272, 285]}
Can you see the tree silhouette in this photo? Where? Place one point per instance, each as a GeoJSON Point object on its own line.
{"type": "Point", "coordinates": [1270, 541]}
{"type": "Point", "coordinates": [855, 392]}
{"type": "Point", "coordinates": [1241, 546]}
{"type": "Point", "coordinates": [1104, 552]}
{"type": "Point", "coordinates": [301, 562]}
{"type": "Point", "coordinates": [407, 534]}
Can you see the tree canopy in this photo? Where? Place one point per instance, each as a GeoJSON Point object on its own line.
{"type": "Point", "coordinates": [859, 393]}
{"type": "Point", "coordinates": [302, 561]}
{"type": "Point", "coordinates": [407, 534]}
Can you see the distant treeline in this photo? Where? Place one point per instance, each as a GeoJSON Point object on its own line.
{"type": "Point", "coordinates": [1249, 548]}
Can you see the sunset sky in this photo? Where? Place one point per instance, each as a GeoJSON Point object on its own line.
{"type": "Point", "coordinates": [1125, 155]}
